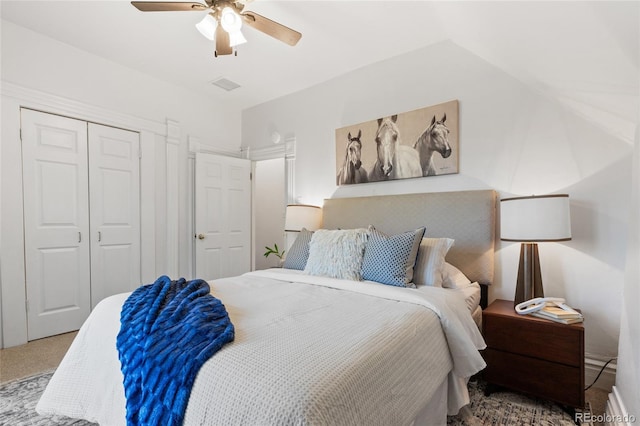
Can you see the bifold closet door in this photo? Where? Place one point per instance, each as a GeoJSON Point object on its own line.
{"type": "Point", "coordinates": [81, 186]}
{"type": "Point", "coordinates": [114, 182]}
{"type": "Point", "coordinates": [56, 223]}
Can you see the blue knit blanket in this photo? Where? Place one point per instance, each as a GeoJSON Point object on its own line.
{"type": "Point", "coordinates": [168, 329]}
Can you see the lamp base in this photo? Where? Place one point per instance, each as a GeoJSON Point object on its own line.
{"type": "Point", "coordinates": [529, 284]}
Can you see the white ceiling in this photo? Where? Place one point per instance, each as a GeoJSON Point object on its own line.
{"type": "Point", "coordinates": [585, 54]}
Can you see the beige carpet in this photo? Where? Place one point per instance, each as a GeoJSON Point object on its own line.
{"type": "Point", "coordinates": [35, 357]}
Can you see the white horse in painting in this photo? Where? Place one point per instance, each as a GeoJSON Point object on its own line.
{"type": "Point", "coordinates": [352, 170]}
{"type": "Point", "coordinates": [395, 161]}
{"type": "Point", "coordinates": [434, 139]}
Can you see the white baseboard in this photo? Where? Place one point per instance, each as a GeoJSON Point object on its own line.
{"type": "Point", "coordinates": [616, 414]}
{"type": "Point", "coordinates": [608, 377]}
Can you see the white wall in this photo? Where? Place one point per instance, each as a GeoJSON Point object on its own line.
{"type": "Point", "coordinates": [41, 63]}
{"type": "Point", "coordinates": [628, 375]}
{"type": "Point", "coordinates": [41, 73]}
{"type": "Point", "coordinates": [512, 138]}
{"type": "Point", "coordinates": [269, 204]}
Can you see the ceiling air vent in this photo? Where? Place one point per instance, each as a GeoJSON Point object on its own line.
{"type": "Point", "coordinates": [225, 84]}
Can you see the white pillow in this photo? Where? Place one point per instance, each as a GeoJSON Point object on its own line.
{"type": "Point", "coordinates": [430, 261]}
{"type": "Point", "coordinates": [453, 277]}
{"type": "Point", "coordinates": [471, 294]}
{"type": "Point", "coordinates": [337, 253]}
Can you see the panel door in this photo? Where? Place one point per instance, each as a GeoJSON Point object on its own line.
{"type": "Point", "coordinates": [56, 223]}
{"type": "Point", "coordinates": [222, 216]}
{"type": "Point", "coordinates": [114, 180]}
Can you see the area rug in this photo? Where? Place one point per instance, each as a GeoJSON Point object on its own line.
{"type": "Point", "coordinates": [508, 408]}
{"type": "Point", "coordinates": [18, 401]}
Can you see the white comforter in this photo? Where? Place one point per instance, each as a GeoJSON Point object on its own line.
{"type": "Point", "coordinates": [308, 350]}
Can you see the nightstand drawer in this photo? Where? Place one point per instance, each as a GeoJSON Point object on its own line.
{"type": "Point", "coordinates": [557, 382]}
{"type": "Point", "coordinates": [540, 339]}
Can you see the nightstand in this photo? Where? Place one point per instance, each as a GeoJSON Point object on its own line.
{"type": "Point", "coordinates": [534, 356]}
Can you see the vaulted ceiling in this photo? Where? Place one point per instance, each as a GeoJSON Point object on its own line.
{"type": "Point", "coordinates": [584, 54]}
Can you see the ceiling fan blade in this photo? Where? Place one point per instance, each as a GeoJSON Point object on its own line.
{"type": "Point", "coordinates": [168, 6]}
{"type": "Point", "coordinates": [222, 42]}
{"type": "Point", "coordinates": [272, 28]}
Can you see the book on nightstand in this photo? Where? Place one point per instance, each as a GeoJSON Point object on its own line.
{"type": "Point", "coordinates": [564, 315]}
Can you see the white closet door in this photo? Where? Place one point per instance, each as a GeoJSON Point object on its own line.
{"type": "Point", "coordinates": [222, 216]}
{"type": "Point", "coordinates": [114, 180]}
{"type": "Point", "coordinates": [56, 227]}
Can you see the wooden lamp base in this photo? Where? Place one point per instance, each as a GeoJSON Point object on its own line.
{"type": "Point", "coordinates": [529, 284]}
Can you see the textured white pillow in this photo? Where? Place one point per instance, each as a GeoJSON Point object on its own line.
{"type": "Point", "coordinates": [337, 253]}
{"type": "Point", "coordinates": [430, 261]}
{"type": "Point", "coordinates": [453, 277]}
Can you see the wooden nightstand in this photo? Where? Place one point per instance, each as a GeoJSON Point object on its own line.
{"type": "Point", "coordinates": [534, 356]}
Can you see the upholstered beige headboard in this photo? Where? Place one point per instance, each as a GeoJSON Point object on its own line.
{"type": "Point", "coordinates": [467, 216]}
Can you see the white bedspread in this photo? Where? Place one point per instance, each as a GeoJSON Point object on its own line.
{"type": "Point", "coordinates": [307, 350]}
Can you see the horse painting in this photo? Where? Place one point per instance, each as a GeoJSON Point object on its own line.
{"type": "Point", "coordinates": [352, 170]}
{"type": "Point", "coordinates": [395, 161]}
{"type": "Point", "coordinates": [434, 139]}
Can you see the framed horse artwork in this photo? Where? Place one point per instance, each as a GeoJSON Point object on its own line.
{"type": "Point", "coordinates": [419, 143]}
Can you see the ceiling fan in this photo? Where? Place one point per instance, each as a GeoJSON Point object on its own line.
{"type": "Point", "coordinates": [224, 21]}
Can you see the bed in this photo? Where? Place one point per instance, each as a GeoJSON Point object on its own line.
{"type": "Point", "coordinates": [312, 349]}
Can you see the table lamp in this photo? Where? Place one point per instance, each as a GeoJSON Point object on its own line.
{"type": "Point", "coordinates": [300, 216]}
{"type": "Point", "coordinates": [531, 220]}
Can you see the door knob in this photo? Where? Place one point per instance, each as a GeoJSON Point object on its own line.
{"type": "Point", "coordinates": [201, 236]}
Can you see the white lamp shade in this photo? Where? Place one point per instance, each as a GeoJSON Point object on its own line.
{"type": "Point", "coordinates": [535, 218]}
{"type": "Point", "coordinates": [302, 216]}
{"type": "Point", "coordinates": [207, 27]}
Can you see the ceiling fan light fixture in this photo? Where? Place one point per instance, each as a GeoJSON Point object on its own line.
{"type": "Point", "coordinates": [236, 38]}
{"type": "Point", "coordinates": [230, 20]}
{"type": "Point", "coordinates": [223, 21]}
{"type": "Point", "coordinates": [207, 27]}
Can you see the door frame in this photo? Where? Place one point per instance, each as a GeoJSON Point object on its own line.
{"type": "Point", "coordinates": [286, 150]}
{"type": "Point", "coordinates": [153, 134]}
{"type": "Point", "coordinates": [89, 157]}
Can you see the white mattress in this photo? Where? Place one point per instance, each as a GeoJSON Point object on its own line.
{"type": "Point", "coordinates": [307, 351]}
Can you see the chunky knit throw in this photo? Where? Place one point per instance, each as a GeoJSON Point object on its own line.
{"type": "Point", "coordinates": [168, 330]}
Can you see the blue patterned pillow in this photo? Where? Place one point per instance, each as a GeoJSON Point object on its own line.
{"type": "Point", "coordinates": [298, 254]}
{"type": "Point", "coordinates": [390, 259]}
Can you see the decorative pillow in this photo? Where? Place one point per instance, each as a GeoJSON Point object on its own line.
{"type": "Point", "coordinates": [453, 277]}
{"type": "Point", "coordinates": [296, 257]}
{"type": "Point", "coordinates": [337, 253]}
{"type": "Point", "coordinates": [430, 261]}
{"type": "Point", "coordinates": [390, 259]}
{"type": "Point", "coordinates": [471, 293]}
